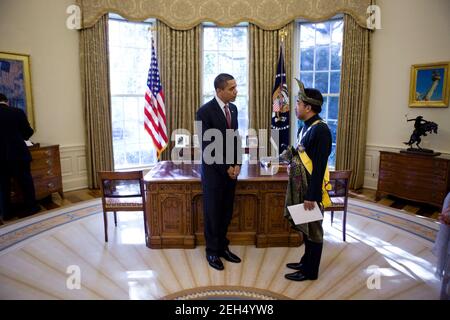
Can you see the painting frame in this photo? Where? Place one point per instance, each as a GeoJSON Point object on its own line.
{"type": "Point", "coordinates": [429, 85]}
{"type": "Point", "coordinates": [15, 82]}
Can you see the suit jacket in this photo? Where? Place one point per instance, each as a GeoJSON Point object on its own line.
{"type": "Point", "coordinates": [212, 117]}
{"type": "Point", "coordinates": [14, 130]}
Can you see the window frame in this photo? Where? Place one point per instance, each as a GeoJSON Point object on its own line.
{"type": "Point", "coordinates": [296, 72]}
{"type": "Point", "coordinates": [139, 97]}
{"type": "Point", "coordinates": [204, 97]}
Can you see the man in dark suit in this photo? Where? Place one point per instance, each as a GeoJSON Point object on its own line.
{"type": "Point", "coordinates": [15, 158]}
{"type": "Point", "coordinates": [220, 168]}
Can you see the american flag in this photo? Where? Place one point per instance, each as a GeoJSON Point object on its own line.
{"type": "Point", "coordinates": [155, 112]}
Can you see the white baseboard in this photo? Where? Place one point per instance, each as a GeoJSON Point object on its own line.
{"type": "Point", "coordinates": [73, 167]}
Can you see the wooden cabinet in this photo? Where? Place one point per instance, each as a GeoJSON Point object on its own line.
{"type": "Point", "coordinates": [46, 172]}
{"type": "Point", "coordinates": [414, 177]}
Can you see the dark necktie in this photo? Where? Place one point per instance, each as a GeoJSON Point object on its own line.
{"type": "Point", "coordinates": [228, 116]}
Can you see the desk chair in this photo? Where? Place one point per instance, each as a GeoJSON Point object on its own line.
{"type": "Point", "coordinates": [122, 191]}
{"type": "Point", "coordinates": [339, 181]}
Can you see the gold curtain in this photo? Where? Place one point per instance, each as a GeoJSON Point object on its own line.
{"type": "Point", "coordinates": [263, 59]}
{"type": "Point", "coordinates": [94, 59]}
{"type": "Point", "coordinates": [186, 14]}
{"type": "Point", "coordinates": [179, 61]}
{"type": "Point", "coordinates": [354, 101]}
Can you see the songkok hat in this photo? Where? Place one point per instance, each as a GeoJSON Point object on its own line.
{"type": "Point", "coordinates": [302, 95]}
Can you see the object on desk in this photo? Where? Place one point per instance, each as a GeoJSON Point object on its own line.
{"type": "Point", "coordinates": [301, 216]}
{"type": "Point", "coordinates": [272, 166]}
{"type": "Point", "coordinates": [28, 143]}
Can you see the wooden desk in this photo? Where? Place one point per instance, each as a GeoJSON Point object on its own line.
{"type": "Point", "coordinates": [175, 208]}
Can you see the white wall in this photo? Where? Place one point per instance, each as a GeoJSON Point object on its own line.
{"type": "Point", "coordinates": [38, 28]}
{"type": "Point", "coordinates": [413, 32]}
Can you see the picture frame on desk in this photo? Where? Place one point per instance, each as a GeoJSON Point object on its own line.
{"type": "Point", "coordinates": [15, 82]}
{"type": "Point", "coordinates": [429, 85]}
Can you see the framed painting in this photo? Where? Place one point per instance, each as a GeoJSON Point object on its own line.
{"type": "Point", "coordinates": [15, 82]}
{"type": "Point", "coordinates": [429, 85]}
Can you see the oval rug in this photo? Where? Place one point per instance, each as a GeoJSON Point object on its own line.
{"type": "Point", "coordinates": [225, 292]}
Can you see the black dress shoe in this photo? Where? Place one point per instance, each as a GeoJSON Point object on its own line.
{"type": "Point", "coordinates": [298, 276]}
{"type": "Point", "coordinates": [230, 256]}
{"type": "Point", "coordinates": [215, 262]}
{"type": "Point", "coordinates": [295, 265]}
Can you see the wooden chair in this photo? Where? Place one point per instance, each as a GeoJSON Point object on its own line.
{"type": "Point", "coordinates": [339, 181]}
{"type": "Point", "coordinates": [122, 191]}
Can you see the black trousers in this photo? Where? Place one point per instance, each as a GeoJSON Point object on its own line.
{"type": "Point", "coordinates": [311, 258]}
{"type": "Point", "coordinates": [21, 171]}
{"type": "Point", "coordinates": [218, 204]}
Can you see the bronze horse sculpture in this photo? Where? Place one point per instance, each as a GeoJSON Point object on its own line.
{"type": "Point", "coordinates": [421, 127]}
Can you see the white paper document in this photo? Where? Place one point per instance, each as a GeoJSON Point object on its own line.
{"type": "Point", "coordinates": [301, 216]}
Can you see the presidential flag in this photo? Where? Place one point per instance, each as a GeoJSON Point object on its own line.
{"type": "Point", "coordinates": [280, 106]}
{"type": "Point", "coordinates": [155, 113]}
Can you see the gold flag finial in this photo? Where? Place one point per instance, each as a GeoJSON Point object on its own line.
{"type": "Point", "coordinates": [283, 34]}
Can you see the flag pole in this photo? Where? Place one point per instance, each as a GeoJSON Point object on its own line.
{"type": "Point", "coordinates": [282, 35]}
{"type": "Point", "coordinates": [155, 107]}
{"type": "Point", "coordinates": [152, 31]}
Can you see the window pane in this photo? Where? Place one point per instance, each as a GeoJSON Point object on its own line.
{"type": "Point", "coordinates": [332, 157]}
{"type": "Point", "coordinates": [224, 38]}
{"type": "Point", "coordinates": [119, 155]}
{"type": "Point", "coordinates": [117, 131]}
{"type": "Point", "coordinates": [324, 113]}
{"type": "Point", "coordinates": [335, 82]}
{"type": "Point", "coordinates": [337, 31]}
{"type": "Point", "coordinates": [210, 62]}
{"type": "Point", "coordinates": [132, 156]}
{"type": "Point", "coordinates": [116, 109]}
{"type": "Point", "coordinates": [307, 59]}
{"type": "Point", "coordinates": [226, 62]}
{"type": "Point", "coordinates": [336, 56]}
{"type": "Point", "coordinates": [322, 58]}
{"type": "Point", "coordinates": [307, 35]}
{"type": "Point", "coordinates": [307, 79]}
{"type": "Point", "coordinates": [323, 35]}
{"type": "Point", "coordinates": [321, 82]}
{"type": "Point", "coordinates": [333, 108]}
{"type": "Point", "coordinates": [332, 124]}
{"type": "Point", "coordinates": [240, 41]}
{"type": "Point", "coordinates": [210, 37]}
{"type": "Point", "coordinates": [208, 84]}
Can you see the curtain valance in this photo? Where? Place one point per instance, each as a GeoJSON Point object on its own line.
{"type": "Point", "coordinates": [186, 14]}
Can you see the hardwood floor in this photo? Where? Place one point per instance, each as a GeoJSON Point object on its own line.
{"type": "Point", "coordinates": [409, 207]}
